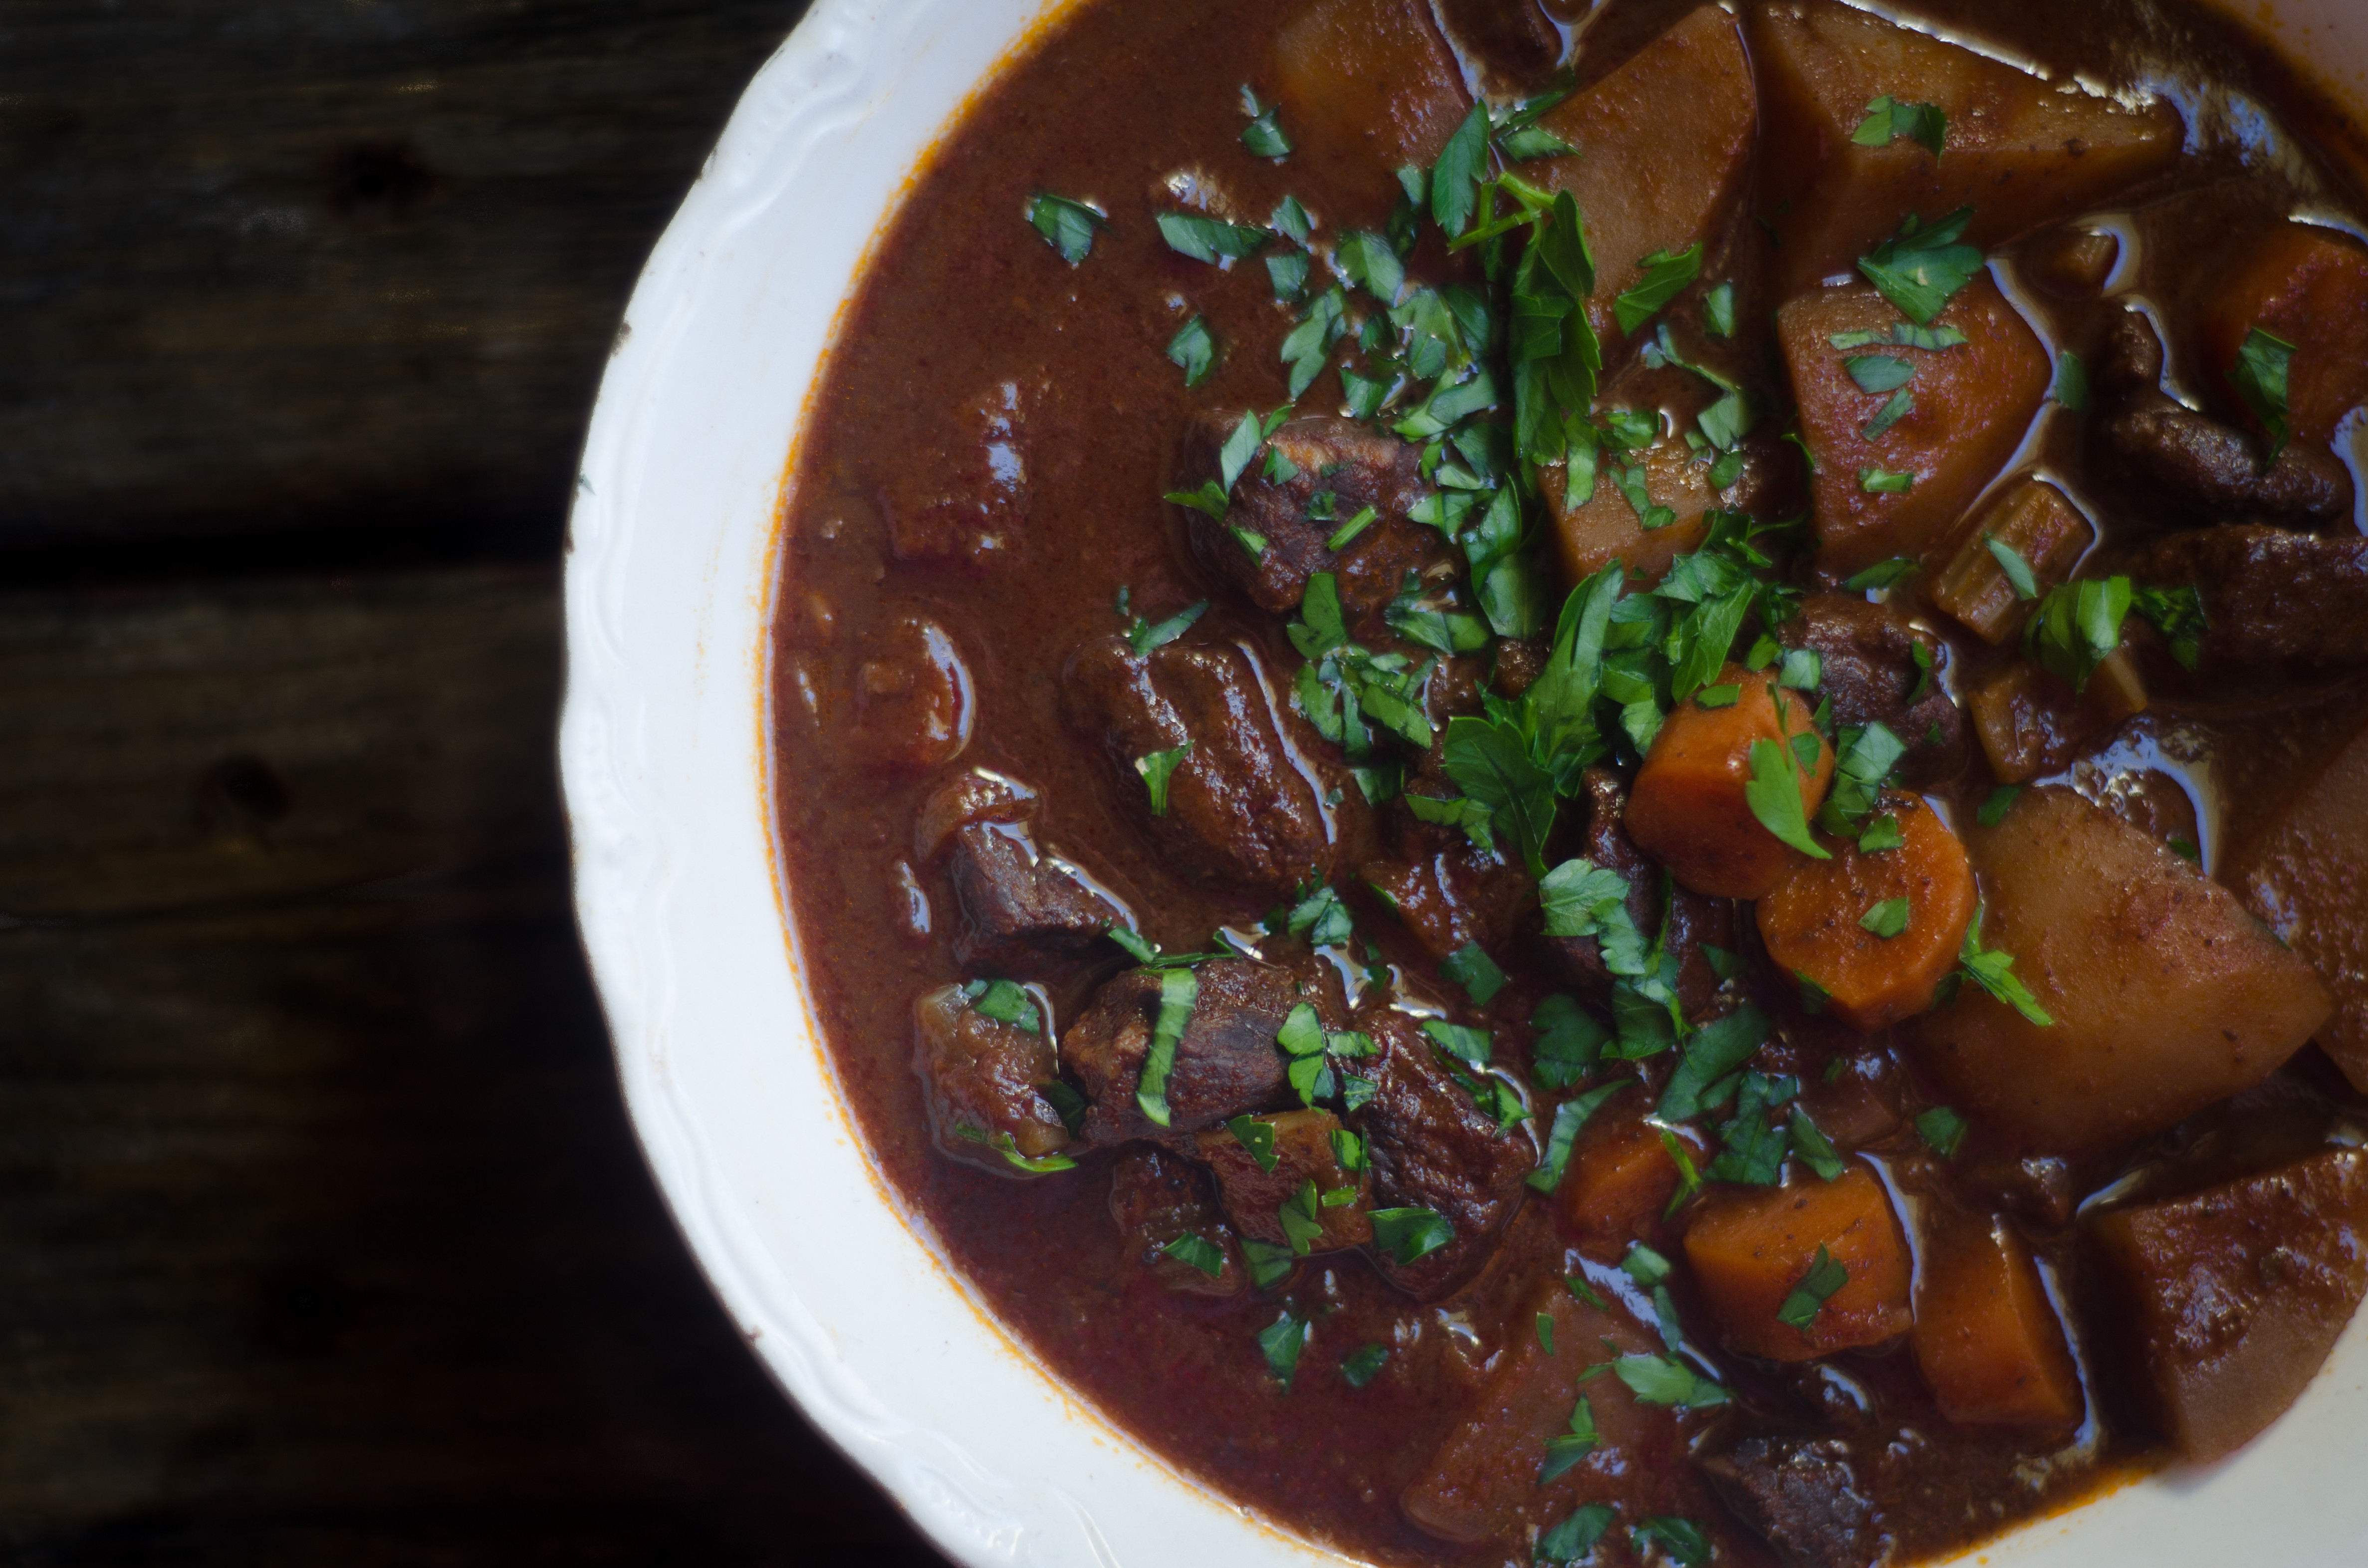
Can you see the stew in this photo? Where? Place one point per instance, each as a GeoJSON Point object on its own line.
{"type": "Point", "coordinates": [1590, 785]}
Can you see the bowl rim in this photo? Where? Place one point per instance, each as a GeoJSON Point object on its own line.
{"type": "Point", "coordinates": [670, 581]}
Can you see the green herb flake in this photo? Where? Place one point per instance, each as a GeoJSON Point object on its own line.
{"type": "Point", "coordinates": [1718, 695]}
{"type": "Point", "coordinates": [1068, 226]}
{"type": "Point", "coordinates": [1363, 1365]}
{"type": "Point", "coordinates": [1665, 1381]}
{"type": "Point", "coordinates": [1003, 1144]}
{"type": "Point", "coordinates": [1882, 833]}
{"type": "Point", "coordinates": [1566, 1447]}
{"type": "Point", "coordinates": [2185, 848]}
{"type": "Point", "coordinates": [1718, 311]}
{"type": "Point", "coordinates": [1804, 670]}
{"type": "Point", "coordinates": [2260, 376]}
{"type": "Point", "coordinates": [1410, 1234]}
{"type": "Point", "coordinates": [1713, 1052]}
{"type": "Point", "coordinates": [1774, 793]}
{"type": "Point", "coordinates": [1459, 1040]}
{"type": "Point", "coordinates": [1816, 1151]}
{"type": "Point", "coordinates": [1290, 219]}
{"type": "Point", "coordinates": [1286, 271]}
{"type": "Point", "coordinates": [2019, 574]}
{"type": "Point", "coordinates": [1157, 769]}
{"type": "Point", "coordinates": [1883, 481]}
{"type": "Point", "coordinates": [1569, 1044]}
{"type": "Point", "coordinates": [1546, 1333]}
{"type": "Point", "coordinates": [1256, 1136]}
{"type": "Point", "coordinates": [2071, 382]}
{"type": "Point", "coordinates": [1888, 118]}
{"type": "Point", "coordinates": [1210, 238]}
{"type": "Point", "coordinates": [1994, 971]}
{"type": "Point", "coordinates": [1194, 350]}
{"type": "Point", "coordinates": [1281, 1342]}
{"type": "Point", "coordinates": [1886, 919]}
{"type": "Point", "coordinates": [2178, 614]}
{"type": "Point", "coordinates": [1569, 1118]}
{"type": "Point", "coordinates": [1999, 801]}
{"type": "Point", "coordinates": [1179, 990]}
{"type": "Point", "coordinates": [1882, 575]}
{"type": "Point", "coordinates": [2077, 627]}
{"type": "Point", "coordinates": [1198, 1252]}
{"type": "Point", "coordinates": [1301, 1218]}
{"type": "Point", "coordinates": [1348, 531]}
{"type": "Point", "coordinates": [1349, 1150]}
{"type": "Point", "coordinates": [1921, 268]}
{"type": "Point", "coordinates": [1898, 407]}
{"type": "Point", "coordinates": [1575, 1538]}
{"type": "Point", "coordinates": [1453, 179]}
{"type": "Point", "coordinates": [1665, 272]}
{"type": "Point", "coordinates": [1942, 1128]}
{"type": "Point", "coordinates": [1264, 135]}
{"type": "Point", "coordinates": [1470, 967]}
{"type": "Point", "coordinates": [1880, 372]}
{"type": "Point", "coordinates": [1005, 1001]}
{"type": "Point", "coordinates": [1825, 1275]}
{"type": "Point", "coordinates": [1684, 1540]}
{"type": "Point", "coordinates": [1270, 1262]}
{"type": "Point", "coordinates": [1144, 636]}
{"type": "Point", "coordinates": [1371, 263]}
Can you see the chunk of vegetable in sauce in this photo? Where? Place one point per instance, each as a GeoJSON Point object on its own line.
{"type": "Point", "coordinates": [2307, 287]}
{"type": "Point", "coordinates": [1750, 1250]}
{"type": "Point", "coordinates": [1987, 1339]}
{"type": "Point", "coordinates": [1689, 809]}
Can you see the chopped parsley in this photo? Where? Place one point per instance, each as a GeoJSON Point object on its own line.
{"type": "Point", "coordinates": [1179, 990]}
{"type": "Point", "coordinates": [1825, 1275]}
{"type": "Point", "coordinates": [1194, 350]}
{"type": "Point", "coordinates": [1454, 178]}
{"type": "Point", "coordinates": [1363, 1364]}
{"type": "Point", "coordinates": [2260, 376]}
{"type": "Point", "coordinates": [1198, 1252]}
{"type": "Point", "coordinates": [1774, 793]}
{"type": "Point", "coordinates": [1269, 1264]}
{"type": "Point", "coordinates": [1264, 135]}
{"type": "Point", "coordinates": [1568, 1045]}
{"type": "Point", "coordinates": [1410, 1234]}
{"type": "Point", "coordinates": [1566, 1447]}
{"type": "Point", "coordinates": [2178, 614]}
{"type": "Point", "coordinates": [1005, 1002]}
{"type": "Point", "coordinates": [1718, 311]}
{"type": "Point", "coordinates": [1546, 1333]}
{"type": "Point", "coordinates": [1256, 1136]}
{"type": "Point", "coordinates": [1281, 1342]}
{"type": "Point", "coordinates": [1575, 1538]}
{"type": "Point", "coordinates": [2071, 381]}
{"type": "Point", "coordinates": [1879, 372]}
{"type": "Point", "coordinates": [1713, 1052]}
{"type": "Point", "coordinates": [1887, 119]}
{"type": "Point", "coordinates": [1470, 967]}
{"type": "Point", "coordinates": [1902, 334]}
{"type": "Point", "coordinates": [1718, 695]}
{"type": "Point", "coordinates": [1883, 481]}
{"type": "Point", "coordinates": [2077, 627]}
{"type": "Point", "coordinates": [1339, 538]}
{"type": "Point", "coordinates": [1864, 759]}
{"type": "Point", "coordinates": [2019, 574]}
{"type": "Point", "coordinates": [1944, 1129]}
{"type": "Point", "coordinates": [1303, 1224]}
{"type": "Point", "coordinates": [1157, 769]}
{"type": "Point", "coordinates": [1144, 636]}
{"type": "Point", "coordinates": [1885, 919]}
{"type": "Point", "coordinates": [1682, 1538]}
{"type": "Point", "coordinates": [1882, 575]}
{"type": "Point", "coordinates": [1994, 971]}
{"type": "Point", "coordinates": [1349, 1150]}
{"type": "Point", "coordinates": [1922, 267]}
{"type": "Point", "coordinates": [1286, 271]}
{"type": "Point", "coordinates": [1898, 407]}
{"type": "Point", "coordinates": [1665, 272]}
{"type": "Point", "coordinates": [1569, 1118]}
{"type": "Point", "coordinates": [1003, 1144]}
{"type": "Point", "coordinates": [1371, 262]}
{"type": "Point", "coordinates": [1068, 226]}
{"type": "Point", "coordinates": [1995, 805]}
{"type": "Point", "coordinates": [1665, 1381]}
{"type": "Point", "coordinates": [1459, 1040]}
{"type": "Point", "coordinates": [1809, 1141]}
{"type": "Point", "coordinates": [1211, 239]}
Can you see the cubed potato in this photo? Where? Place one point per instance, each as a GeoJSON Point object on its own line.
{"type": "Point", "coordinates": [1973, 404]}
{"type": "Point", "coordinates": [2234, 1295]}
{"type": "Point", "coordinates": [1621, 1179]}
{"type": "Point", "coordinates": [2304, 868]}
{"type": "Point", "coordinates": [1484, 1477]}
{"type": "Point", "coordinates": [2022, 150]}
{"type": "Point", "coordinates": [1750, 1247]}
{"type": "Point", "coordinates": [1663, 142]}
{"type": "Point", "coordinates": [1367, 86]}
{"type": "Point", "coordinates": [1986, 1337]}
{"type": "Point", "coordinates": [2030, 517]}
{"type": "Point", "coordinates": [2308, 286]}
{"type": "Point", "coordinates": [1303, 1152]}
{"type": "Point", "coordinates": [2167, 995]}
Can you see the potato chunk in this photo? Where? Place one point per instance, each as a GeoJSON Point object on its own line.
{"type": "Point", "coordinates": [1986, 1337]}
{"type": "Point", "coordinates": [2303, 870]}
{"type": "Point", "coordinates": [2165, 994]}
{"type": "Point", "coordinates": [1663, 141]}
{"type": "Point", "coordinates": [2020, 149]}
{"type": "Point", "coordinates": [1366, 86]}
{"type": "Point", "coordinates": [1973, 405]}
{"type": "Point", "coordinates": [2236, 1293]}
{"type": "Point", "coordinates": [1753, 1247]}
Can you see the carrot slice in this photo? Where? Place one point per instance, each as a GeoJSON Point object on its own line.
{"type": "Point", "coordinates": [1875, 930]}
{"type": "Point", "coordinates": [1688, 809]}
{"type": "Point", "coordinates": [1621, 1177]}
{"type": "Point", "coordinates": [2309, 287]}
{"type": "Point", "coordinates": [1753, 1251]}
{"type": "Point", "coordinates": [1986, 1338]}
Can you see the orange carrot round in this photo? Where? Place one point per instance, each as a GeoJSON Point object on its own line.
{"type": "Point", "coordinates": [1688, 809]}
{"type": "Point", "coordinates": [1875, 930]}
{"type": "Point", "coordinates": [1754, 1252]}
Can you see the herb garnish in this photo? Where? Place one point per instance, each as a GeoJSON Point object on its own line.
{"type": "Point", "coordinates": [1264, 135]}
{"type": "Point", "coordinates": [1363, 1364]}
{"type": "Point", "coordinates": [1922, 267]}
{"type": "Point", "coordinates": [1885, 919]}
{"type": "Point", "coordinates": [1681, 1538]}
{"type": "Point", "coordinates": [2071, 381]}
{"type": "Point", "coordinates": [1944, 1129]}
{"type": "Point", "coordinates": [1211, 239]}
{"type": "Point", "coordinates": [1665, 272]}
{"type": "Point", "coordinates": [1256, 1136]}
{"type": "Point", "coordinates": [1825, 1275]}
{"type": "Point", "coordinates": [1887, 118]}
{"type": "Point", "coordinates": [1199, 1252]}
{"type": "Point", "coordinates": [2018, 571]}
{"type": "Point", "coordinates": [1994, 971]}
{"type": "Point", "coordinates": [1179, 989]}
{"type": "Point", "coordinates": [1997, 804]}
{"type": "Point", "coordinates": [1816, 1151]}
{"type": "Point", "coordinates": [2260, 376]}
{"type": "Point", "coordinates": [1157, 767]}
{"type": "Point", "coordinates": [1281, 1342]}
{"type": "Point", "coordinates": [1410, 1234]}
{"type": "Point", "coordinates": [1005, 1002]}
{"type": "Point", "coordinates": [1569, 1118]}
{"type": "Point", "coordinates": [1470, 967]}
{"type": "Point", "coordinates": [1575, 1537]}
{"type": "Point", "coordinates": [1068, 226]}
{"type": "Point", "coordinates": [1194, 350]}
{"type": "Point", "coordinates": [1774, 793]}
{"type": "Point", "coordinates": [1566, 1447]}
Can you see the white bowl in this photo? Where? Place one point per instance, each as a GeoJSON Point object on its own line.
{"type": "Point", "coordinates": [666, 756]}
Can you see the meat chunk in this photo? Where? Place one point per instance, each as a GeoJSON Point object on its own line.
{"type": "Point", "coordinates": [2236, 1293]}
{"type": "Point", "coordinates": [1513, 47]}
{"type": "Point", "coordinates": [965, 501]}
{"type": "Point", "coordinates": [1432, 1148]}
{"type": "Point", "coordinates": [1242, 806]}
{"type": "Point", "coordinates": [983, 1080]}
{"type": "Point", "coordinates": [1304, 1156]}
{"type": "Point", "coordinates": [1449, 891]}
{"type": "Point", "coordinates": [2190, 468]}
{"type": "Point", "coordinates": [2270, 597]}
{"type": "Point", "coordinates": [1346, 466]}
{"type": "Point", "coordinates": [1014, 897]}
{"type": "Point", "coordinates": [1803, 1496]}
{"type": "Point", "coordinates": [1696, 921]}
{"type": "Point", "coordinates": [1869, 658]}
{"type": "Point", "coordinates": [1226, 1061]}
{"type": "Point", "coordinates": [1157, 1197]}
{"type": "Point", "coordinates": [913, 701]}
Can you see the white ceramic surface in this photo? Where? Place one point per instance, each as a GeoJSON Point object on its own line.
{"type": "Point", "coordinates": [665, 755]}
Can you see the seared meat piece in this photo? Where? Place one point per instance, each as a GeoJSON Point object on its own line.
{"type": "Point", "coordinates": [1695, 919]}
{"type": "Point", "coordinates": [1226, 1063]}
{"type": "Point", "coordinates": [1239, 808]}
{"type": "Point", "coordinates": [1432, 1148]}
{"type": "Point", "coordinates": [1871, 676]}
{"type": "Point", "coordinates": [1303, 1152]}
{"type": "Point", "coordinates": [1447, 889]}
{"type": "Point", "coordinates": [983, 1080]}
{"type": "Point", "coordinates": [2270, 597]}
{"type": "Point", "coordinates": [1013, 897]}
{"type": "Point", "coordinates": [1358, 467]}
{"type": "Point", "coordinates": [965, 502]}
{"type": "Point", "coordinates": [1156, 1197]}
{"type": "Point", "coordinates": [2132, 361]}
{"type": "Point", "coordinates": [2196, 470]}
{"type": "Point", "coordinates": [1804, 1496]}
{"type": "Point", "coordinates": [913, 697]}
{"type": "Point", "coordinates": [1511, 45]}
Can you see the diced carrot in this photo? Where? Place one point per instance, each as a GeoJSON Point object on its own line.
{"type": "Point", "coordinates": [1621, 1179]}
{"type": "Point", "coordinates": [1986, 1337]}
{"type": "Point", "coordinates": [1367, 86]}
{"type": "Point", "coordinates": [1753, 1247]}
{"type": "Point", "coordinates": [2308, 286]}
{"type": "Point", "coordinates": [1816, 923]}
{"type": "Point", "coordinates": [1972, 406]}
{"type": "Point", "coordinates": [2020, 149]}
{"type": "Point", "coordinates": [1663, 141]}
{"type": "Point", "coordinates": [2034, 520]}
{"type": "Point", "coordinates": [1688, 810]}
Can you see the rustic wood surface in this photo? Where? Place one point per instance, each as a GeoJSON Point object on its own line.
{"type": "Point", "coordinates": [322, 1236]}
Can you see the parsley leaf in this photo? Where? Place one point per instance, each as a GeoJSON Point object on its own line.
{"type": "Point", "coordinates": [1882, 575]}
{"type": "Point", "coordinates": [2077, 626]}
{"type": "Point", "coordinates": [1900, 405]}
{"type": "Point", "coordinates": [1713, 1052]}
{"type": "Point", "coordinates": [1256, 1136]}
{"type": "Point", "coordinates": [1581, 899]}
{"type": "Point", "coordinates": [1575, 1538]}
{"type": "Point", "coordinates": [1470, 967]}
{"type": "Point", "coordinates": [1003, 1144]}
{"type": "Point", "coordinates": [1999, 801]}
{"type": "Point", "coordinates": [1903, 334]}
{"type": "Point", "coordinates": [1570, 1117]}
{"type": "Point", "coordinates": [1565, 1449]}
{"type": "Point", "coordinates": [1453, 179]}
{"type": "Point", "coordinates": [1371, 263]}
{"type": "Point", "coordinates": [1489, 760]}
{"type": "Point", "coordinates": [1005, 1002]}
{"type": "Point", "coordinates": [1263, 136]}
{"type": "Point", "coordinates": [1068, 226]}
{"type": "Point", "coordinates": [1410, 1234]}
{"type": "Point", "coordinates": [2178, 614]}
{"type": "Point", "coordinates": [1194, 350]}
{"type": "Point", "coordinates": [1825, 1275]}
{"type": "Point", "coordinates": [1682, 1538]}
{"type": "Point", "coordinates": [2260, 376]}
{"type": "Point", "coordinates": [1569, 1043]}
{"type": "Point", "coordinates": [1863, 766]}
{"type": "Point", "coordinates": [1942, 1128]}
{"type": "Point", "coordinates": [1281, 1342]}
{"type": "Point", "coordinates": [1885, 919]}
{"type": "Point", "coordinates": [1179, 990]}
{"type": "Point", "coordinates": [2018, 571]}
{"type": "Point", "coordinates": [1363, 1364]}
{"type": "Point", "coordinates": [1922, 267]}
{"type": "Point", "coordinates": [1198, 1252]}
{"type": "Point", "coordinates": [1657, 1379]}
{"type": "Point", "coordinates": [1718, 311]}
{"type": "Point", "coordinates": [1144, 636]}
{"type": "Point", "coordinates": [1817, 1150]}
{"type": "Point", "coordinates": [1270, 1262]}
{"type": "Point", "coordinates": [1299, 1217]}
{"type": "Point", "coordinates": [1157, 769]}
{"type": "Point", "coordinates": [1887, 118]}
{"type": "Point", "coordinates": [1883, 481]}
{"type": "Point", "coordinates": [1665, 272]}
{"type": "Point", "coordinates": [1773, 792]}
{"type": "Point", "coordinates": [1879, 372]}
{"type": "Point", "coordinates": [1207, 239]}
{"type": "Point", "coordinates": [1994, 971]}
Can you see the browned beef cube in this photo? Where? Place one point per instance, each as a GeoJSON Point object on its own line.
{"type": "Point", "coordinates": [1803, 1496]}
{"type": "Point", "coordinates": [1432, 1148]}
{"type": "Point", "coordinates": [963, 501]}
{"type": "Point", "coordinates": [1226, 1063]}
{"type": "Point", "coordinates": [1014, 897]}
{"type": "Point", "coordinates": [1512, 43]}
{"type": "Point", "coordinates": [1696, 920]}
{"type": "Point", "coordinates": [1355, 466]}
{"type": "Point", "coordinates": [2270, 597]}
{"type": "Point", "coordinates": [1871, 674]}
{"type": "Point", "coordinates": [1157, 1197]}
{"type": "Point", "coordinates": [2190, 467]}
{"type": "Point", "coordinates": [1239, 807]}
{"type": "Point", "coordinates": [1303, 1152]}
{"type": "Point", "coordinates": [983, 1080]}
{"type": "Point", "coordinates": [914, 708]}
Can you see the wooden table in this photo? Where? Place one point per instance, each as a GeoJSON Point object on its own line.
{"type": "Point", "coordinates": [325, 1238]}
